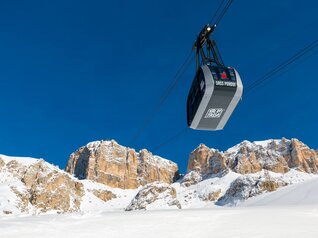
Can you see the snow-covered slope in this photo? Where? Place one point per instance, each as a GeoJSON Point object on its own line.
{"type": "Point", "coordinates": [301, 194]}
{"type": "Point", "coordinates": [275, 220]}
{"type": "Point", "coordinates": [32, 186]}
{"type": "Point", "coordinates": [232, 188]}
{"type": "Point", "coordinates": [247, 222]}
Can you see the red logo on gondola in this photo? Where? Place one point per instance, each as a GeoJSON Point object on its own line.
{"type": "Point", "coordinates": [223, 75]}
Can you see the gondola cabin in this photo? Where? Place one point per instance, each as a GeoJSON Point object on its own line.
{"type": "Point", "coordinates": [213, 96]}
{"type": "Point", "coordinates": [215, 90]}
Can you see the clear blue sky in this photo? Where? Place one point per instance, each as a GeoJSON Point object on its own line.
{"type": "Point", "coordinates": [77, 71]}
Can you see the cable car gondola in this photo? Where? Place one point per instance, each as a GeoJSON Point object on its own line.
{"type": "Point", "coordinates": [215, 90]}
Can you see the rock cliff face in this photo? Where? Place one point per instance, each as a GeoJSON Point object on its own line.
{"type": "Point", "coordinates": [252, 168]}
{"type": "Point", "coordinates": [274, 155]}
{"type": "Point", "coordinates": [117, 166]}
{"type": "Point", "coordinates": [302, 157]}
{"type": "Point", "coordinates": [51, 190]}
{"type": "Point", "coordinates": [207, 161]}
{"type": "Point", "coordinates": [40, 187]}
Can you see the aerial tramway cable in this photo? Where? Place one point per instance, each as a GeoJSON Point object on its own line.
{"type": "Point", "coordinates": [164, 96]}
{"type": "Point", "coordinates": [281, 66]}
{"type": "Point", "coordinates": [216, 12]}
{"type": "Point", "coordinates": [225, 9]}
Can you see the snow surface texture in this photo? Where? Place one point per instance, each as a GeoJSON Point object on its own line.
{"type": "Point", "coordinates": [269, 220]}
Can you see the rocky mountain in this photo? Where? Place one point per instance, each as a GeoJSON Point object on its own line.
{"type": "Point", "coordinates": [274, 155]}
{"type": "Point", "coordinates": [263, 166]}
{"type": "Point", "coordinates": [106, 176]}
{"type": "Point", "coordinates": [117, 166]}
{"type": "Point", "coordinates": [30, 186]}
{"type": "Point", "coordinates": [246, 170]}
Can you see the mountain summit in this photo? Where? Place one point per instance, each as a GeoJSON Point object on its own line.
{"type": "Point", "coordinates": [117, 166]}
{"type": "Point", "coordinates": [279, 156]}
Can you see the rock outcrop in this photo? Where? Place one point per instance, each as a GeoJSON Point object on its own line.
{"type": "Point", "coordinates": [41, 187]}
{"type": "Point", "coordinates": [211, 196]}
{"type": "Point", "coordinates": [207, 161]}
{"type": "Point", "coordinates": [250, 162]}
{"type": "Point", "coordinates": [51, 190]}
{"type": "Point", "coordinates": [248, 157]}
{"type": "Point", "coordinates": [192, 177]}
{"type": "Point", "coordinates": [302, 157]}
{"type": "Point", "coordinates": [33, 186]}
{"type": "Point", "coordinates": [245, 187]}
{"type": "Point", "coordinates": [104, 195]}
{"type": "Point", "coordinates": [278, 156]}
{"type": "Point", "coordinates": [155, 196]}
{"type": "Point", "coordinates": [117, 166]}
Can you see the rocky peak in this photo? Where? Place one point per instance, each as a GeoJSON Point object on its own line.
{"type": "Point", "coordinates": [302, 157]}
{"type": "Point", "coordinates": [250, 157]}
{"type": "Point", "coordinates": [206, 161]}
{"type": "Point", "coordinates": [117, 166]}
{"type": "Point", "coordinates": [38, 186]}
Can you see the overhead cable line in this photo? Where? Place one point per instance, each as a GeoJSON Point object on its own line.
{"type": "Point", "coordinates": [172, 138]}
{"type": "Point", "coordinates": [165, 95]}
{"type": "Point", "coordinates": [216, 12]}
{"type": "Point", "coordinates": [225, 9]}
{"type": "Point", "coordinates": [281, 66]}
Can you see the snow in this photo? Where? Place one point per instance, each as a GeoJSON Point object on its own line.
{"type": "Point", "coordinates": [234, 222]}
{"type": "Point", "coordinates": [191, 197]}
{"type": "Point", "coordinates": [289, 212]}
{"type": "Point", "coordinates": [93, 144]}
{"type": "Point", "coordinates": [27, 161]}
{"type": "Point", "coordinates": [162, 162]}
{"type": "Point", "coordinates": [254, 145]}
{"type": "Point", "coordinates": [264, 143]}
{"type": "Point", "coordinates": [235, 149]}
{"type": "Point", "coordinates": [7, 199]}
{"type": "Point", "coordinates": [91, 203]}
{"type": "Point", "coordinates": [305, 193]}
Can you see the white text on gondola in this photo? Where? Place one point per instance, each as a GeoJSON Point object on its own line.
{"type": "Point", "coordinates": [225, 83]}
{"type": "Point", "coordinates": [214, 113]}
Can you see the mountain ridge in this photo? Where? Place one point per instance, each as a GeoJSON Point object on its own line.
{"type": "Point", "coordinates": [213, 178]}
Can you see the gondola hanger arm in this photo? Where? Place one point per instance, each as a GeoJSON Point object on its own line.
{"type": "Point", "coordinates": [203, 36]}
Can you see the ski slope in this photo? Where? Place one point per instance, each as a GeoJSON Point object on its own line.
{"type": "Point", "coordinates": [289, 212]}
{"type": "Point", "coordinates": [304, 194]}
{"type": "Point", "coordinates": [240, 222]}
